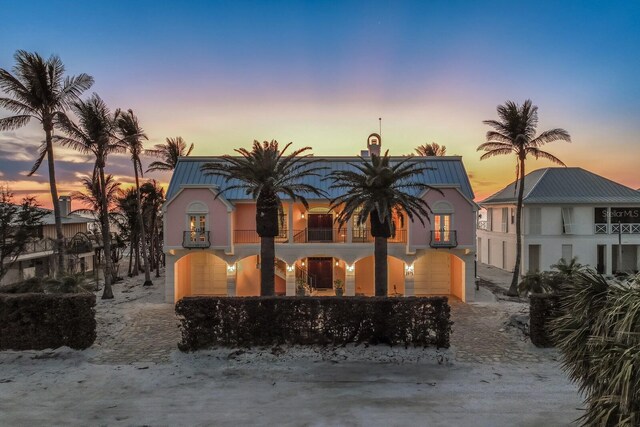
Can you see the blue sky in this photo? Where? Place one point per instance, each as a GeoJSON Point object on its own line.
{"type": "Point", "coordinates": [221, 74]}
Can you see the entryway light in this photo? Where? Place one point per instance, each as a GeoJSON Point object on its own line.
{"type": "Point", "coordinates": [302, 215]}
{"type": "Point", "coordinates": [337, 263]}
{"type": "Point", "coordinates": [351, 267]}
{"type": "Point", "coordinates": [290, 267]}
{"type": "Point", "coordinates": [303, 263]}
{"type": "Point", "coordinates": [408, 270]}
{"type": "Point", "coordinates": [231, 268]}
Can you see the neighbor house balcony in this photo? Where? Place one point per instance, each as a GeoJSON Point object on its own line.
{"type": "Point", "coordinates": [443, 239]}
{"type": "Point", "coordinates": [617, 228]}
{"type": "Point", "coordinates": [483, 225]}
{"type": "Point", "coordinates": [317, 235]}
{"type": "Point", "coordinates": [196, 239]}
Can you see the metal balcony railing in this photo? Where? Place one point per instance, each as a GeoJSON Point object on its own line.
{"type": "Point", "coordinates": [443, 239]}
{"type": "Point", "coordinates": [483, 225]}
{"type": "Point", "coordinates": [40, 245]}
{"type": "Point", "coordinates": [196, 239]}
{"type": "Point", "coordinates": [251, 236]}
{"type": "Point", "coordinates": [320, 235]}
{"type": "Point", "coordinates": [617, 228]}
{"type": "Point", "coordinates": [363, 235]}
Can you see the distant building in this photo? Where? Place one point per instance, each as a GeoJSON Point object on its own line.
{"type": "Point", "coordinates": [38, 258]}
{"type": "Point", "coordinates": [212, 247]}
{"type": "Point", "coordinates": [567, 212]}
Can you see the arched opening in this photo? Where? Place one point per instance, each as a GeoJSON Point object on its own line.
{"type": "Point", "coordinates": [320, 274]}
{"type": "Point", "coordinates": [248, 276]}
{"type": "Point", "coordinates": [365, 276]}
{"type": "Point", "coordinates": [200, 273]}
{"type": "Point", "coordinates": [439, 273]}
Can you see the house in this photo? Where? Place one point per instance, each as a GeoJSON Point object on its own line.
{"type": "Point", "coordinates": [212, 247]}
{"type": "Point", "coordinates": [567, 212]}
{"type": "Point", "coordinates": [38, 259]}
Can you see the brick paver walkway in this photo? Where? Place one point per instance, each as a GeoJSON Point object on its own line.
{"type": "Point", "coordinates": [151, 337]}
{"type": "Point", "coordinates": [479, 336]}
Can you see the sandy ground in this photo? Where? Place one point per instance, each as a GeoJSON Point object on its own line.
{"type": "Point", "coordinates": [375, 386]}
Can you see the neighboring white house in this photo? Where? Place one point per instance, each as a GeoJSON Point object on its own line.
{"type": "Point", "coordinates": [567, 212]}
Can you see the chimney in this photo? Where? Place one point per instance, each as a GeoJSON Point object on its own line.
{"type": "Point", "coordinates": [65, 205]}
{"type": "Point", "coordinates": [373, 144]}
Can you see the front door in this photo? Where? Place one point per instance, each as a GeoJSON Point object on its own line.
{"type": "Point", "coordinates": [321, 271]}
{"type": "Point", "coordinates": [320, 227]}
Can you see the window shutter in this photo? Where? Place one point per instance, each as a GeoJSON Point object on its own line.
{"type": "Point", "coordinates": [567, 220]}
{"type": "Point", "coordinates": [535, 220]}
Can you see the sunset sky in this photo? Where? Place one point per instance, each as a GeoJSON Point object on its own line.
{"type": "Point", "coordinates": [320, 74]}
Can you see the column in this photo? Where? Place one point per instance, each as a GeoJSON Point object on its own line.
{"type": "Point", "coordinates": [290, 224]}
{"type": "Point", "coordinates": [169, 279]}
{"type": "Point", "coordinates": [349, 231]}
{"type": "Point", "coordinates": [409, 284]}
{"type": "Point", "coordinates": [609, 263]}
{"type": "Point", "coordinates": [291, 280]}
{"type": "Point", "coordinates": [350, 280]}
{"type": "Point", "coordinates": [231, 280]}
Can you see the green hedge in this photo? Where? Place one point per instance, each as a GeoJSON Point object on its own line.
{"type": "Point", "coordinates": [37, 321]}
{"type": "Point", "coordinates": [256, 321]}
{"type": "Point", "coordinates": [543, 308]}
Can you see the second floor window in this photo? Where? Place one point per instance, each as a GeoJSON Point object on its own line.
{"type": "Point", "coordinates": [567, 220]}
{"type": "Point", "coordinates": [442, 227]}
{"type": "Point", "coordinates": [197, 227]}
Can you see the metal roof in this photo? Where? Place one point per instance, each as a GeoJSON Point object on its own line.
{"type": "Point", "coordinates": [447, 171]}
{"type": "Point", "coordinates": [566, 186]}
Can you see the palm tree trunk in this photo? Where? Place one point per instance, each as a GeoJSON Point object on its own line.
{"type": "Point", "coordinates": [513, 288]}
{"type": "Point", "coordinates": [56, 203]}
{"type": "Point", "coordinates": [106, 237]}
{"type": "Point", "coordinates": [380, 259]}
{"type": "Point", "coordinates": [130, 256]}
{"type": "Point", "coordinates": [143, 237]}
{"type": "Point", "coordinates": [267, 266]}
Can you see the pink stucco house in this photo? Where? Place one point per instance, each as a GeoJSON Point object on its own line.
{"type": "Point", "coordinates": [212, 247]}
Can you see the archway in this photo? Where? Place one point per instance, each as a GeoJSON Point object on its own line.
{"type": "Point", "coordinates": [200, 273]}
{"type": "Point", "coordinates": [365, 276]}
{"type": "Point", "coordinates": [439, 273]}
{"type": "Point", "coordinates": [248, 276]}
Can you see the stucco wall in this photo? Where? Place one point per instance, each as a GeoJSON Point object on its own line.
{"type": "Point", "coordinates": [464, 220]}
{"type": "Point", "coordinates": [176, 217]}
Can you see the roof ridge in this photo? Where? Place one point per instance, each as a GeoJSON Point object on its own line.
{"type": "Point", "coordinates": [533, 187]}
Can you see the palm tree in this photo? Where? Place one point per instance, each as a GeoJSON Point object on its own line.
{"type": "Point", "coordinates": [37, 89]}
{"type": "Point", "coordinates": [152, 199]}
{"type": "Point", "coordinates": [266, 173]}
{"type": "Point", "coordinates": [127, 222]}
{"type": "Point", "coordinates": [131, 135]}
{"type": "Point", "coordinates": [169, 152]}
{"type": "Point", "coordinates": [95, 134]}
{"type": "Point", "coordinates": [433, 149]}
{"type": "Point", "coordinates": [515, 133]}
{"type": "Point", "coordinates": [376, 190]}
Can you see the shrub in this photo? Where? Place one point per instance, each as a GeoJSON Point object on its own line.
{"type": "Point", "coordinates": [598, 334]}
{"type": "Point", "coordinates": [37, 321]}
{"type": "Point", "coordinates": [543, 308]}
{"type": "Point", "coordinates": [70, 284]}
{"type": "Point", "coordinates": [257, 321]}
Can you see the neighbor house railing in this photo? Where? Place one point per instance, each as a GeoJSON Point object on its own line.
{"type": "Point", "coordinates": [196, 239]}
{"type": "Point", "coordinates": [483, 225]}
{"type": "Point", "coordinates": [443, 239]}
{"type": "Point", "coordinates": [40, 245]}
{"type": "Point", "coordinates": [616, 228]}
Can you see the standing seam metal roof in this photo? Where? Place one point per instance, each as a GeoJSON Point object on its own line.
{"type": "Point", "coordinates": [447, 171]}
{"type": "Point", "coordinates": [566, 185]}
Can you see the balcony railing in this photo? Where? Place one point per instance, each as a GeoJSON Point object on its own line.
{"type": "Point", "coordinates": [251, 236]}
{"type": "Point", "coordinates": [617, 228]}
{"type": "Point", "coordinates": [443, 239]}
{"type": "Point", "coordinates": [196, 239]}
{"type": "Point", "coordinates": [320, 235]}
{"type": "Point", "coordinates": [483, 225]}
{"type": "Point", "coordinates": [40, 245]}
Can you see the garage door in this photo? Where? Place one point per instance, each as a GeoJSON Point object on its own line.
{"type": "Point", "coordinates": [208, 275]}
{"type": "Point", "coordinates": [432, 274]}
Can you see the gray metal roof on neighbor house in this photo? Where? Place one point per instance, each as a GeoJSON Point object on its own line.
{"type": "Point", "coordinates": [447, 171]}
{"type": "Point", "coordinates": [566, 186]}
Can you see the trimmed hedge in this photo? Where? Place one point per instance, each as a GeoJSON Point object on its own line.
{"type": "Point", "coordinates": [263, 321]}
{"type": "Point", "coordinates": [37, 321]}
{"type": "Point", "coordinates": [543, 308]}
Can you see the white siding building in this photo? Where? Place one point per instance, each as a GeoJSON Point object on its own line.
{"type": "Point", "coordinates": [567, 212]}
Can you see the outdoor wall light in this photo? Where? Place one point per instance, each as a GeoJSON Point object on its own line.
{"type": "Point", "coordinates": [291, 267]}
{"type": "Point", "coordinates": [302, 215]}
{"type": "Point", "coordinates": [302, 263]}
{"type": "Point", "coordinates": [408, 270]}
{"type": "Point", "coordinates": [337, 263]}
{"type": "Point", "coordinates": [231, 268]}
{"type": "Point", "coordinates": [351, 267]}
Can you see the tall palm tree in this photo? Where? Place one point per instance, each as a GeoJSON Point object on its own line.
{"type": "Point", "coordinates": [266, 173]}
{"type": "Point", "coordinates": [95, 134]}
{"type": "Point", "coordinates": [169, 152]}
{"type": "Point", "coordinates": [433, 149]}
{"type": "Point", "coordinates": [376, 189]}
{"type": "Point", "coordinates": [515, 133]}
{"type": "Point", "coordinates": [127, 222]}
{"type": "Point", "coordinates": [131, 135]}
{"type": "Point", "coordinates": [37, 89]}
{"type": "Point", "coordinates": [152, 200]}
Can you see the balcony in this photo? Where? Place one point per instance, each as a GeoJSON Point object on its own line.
{"type": "Point", "coordinates": [483, 225]}
{"type": "Point", "coordinates": [617, 228]}
{"type": "Point", "coordinates": [37, 246]}
{"type": "Point", "coordinates": [314, 235]}
{"type": "Point", "coordinates": [196, 239]}
{"type": "Point", "coordinates": [443, 239]}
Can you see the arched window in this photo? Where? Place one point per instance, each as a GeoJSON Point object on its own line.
{"type": "Point", "coordinates": [442, 221]}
